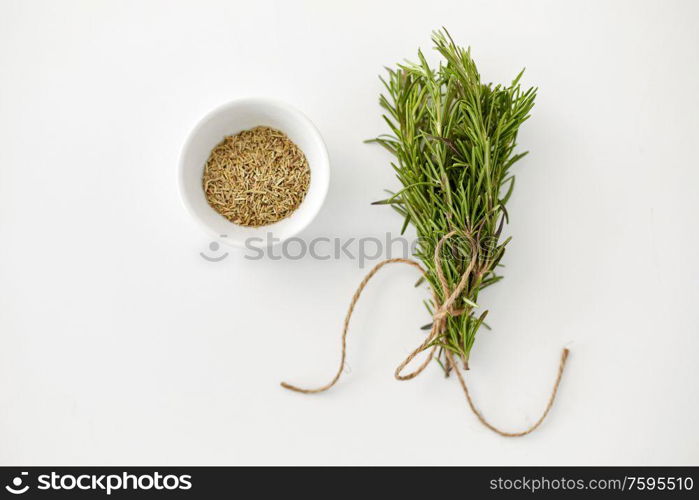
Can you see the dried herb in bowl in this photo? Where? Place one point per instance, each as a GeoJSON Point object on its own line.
{"type": "Point", "coordinates": [454, 139]}
{"type": "Point", "coordinates": [256, 177]}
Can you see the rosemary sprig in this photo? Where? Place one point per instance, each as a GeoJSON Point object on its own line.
{"type": "Point", "coordinates": [454, 140]}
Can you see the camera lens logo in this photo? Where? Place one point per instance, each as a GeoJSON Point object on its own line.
{"type": "Point", "coordinates": [16, 488]}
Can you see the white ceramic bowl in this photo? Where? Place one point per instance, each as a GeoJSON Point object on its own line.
{"type": "Point", "coordinates": [234, 117]}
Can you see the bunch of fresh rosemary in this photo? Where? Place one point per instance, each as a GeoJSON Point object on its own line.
{"type": "Point", "coordinates": [454, 140]}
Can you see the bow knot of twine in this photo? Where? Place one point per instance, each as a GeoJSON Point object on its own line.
{"type": "Point", "coordinates": [439, 320]}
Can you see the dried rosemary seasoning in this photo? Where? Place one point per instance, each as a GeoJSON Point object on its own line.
{"type": "Point", "coordinates": [256, 177]}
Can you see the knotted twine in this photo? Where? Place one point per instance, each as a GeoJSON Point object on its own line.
{"type": "Point", "coordinates": [439, 318]}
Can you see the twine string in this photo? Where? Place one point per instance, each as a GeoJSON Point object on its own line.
{"type": "Point", "coordinates": [439, 319]}
{"type": "Point", "coordinates": [484, 421]}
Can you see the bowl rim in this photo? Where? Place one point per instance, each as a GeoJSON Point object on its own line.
{"type": "Point", "coordinates": [324, 164]}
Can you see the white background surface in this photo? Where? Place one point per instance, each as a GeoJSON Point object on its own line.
{"type": "Point", "coordinates": [119, 344]}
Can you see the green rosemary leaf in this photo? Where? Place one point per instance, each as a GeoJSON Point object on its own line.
{"type": "Point", "coordinates": [406, 222]}
{"type": "Point", "coordinates": [511, 180]}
